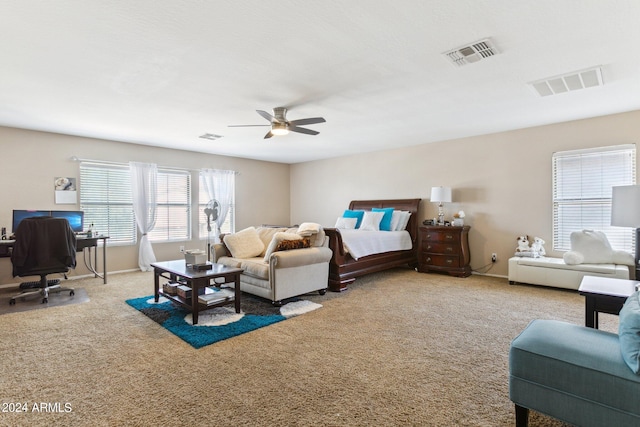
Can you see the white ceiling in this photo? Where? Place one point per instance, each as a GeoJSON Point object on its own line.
{"type": "Point", "coordinates": [164, 72]}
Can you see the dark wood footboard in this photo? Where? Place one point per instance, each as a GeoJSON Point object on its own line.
{"type": "Point", "coordinates": [343, 269]}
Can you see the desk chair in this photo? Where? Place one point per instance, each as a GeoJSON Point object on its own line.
{"type": "Point", "coordinates": [43, 246]}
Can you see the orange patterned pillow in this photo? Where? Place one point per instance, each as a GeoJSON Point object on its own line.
{"type": "Point", "coordinates": [286, 245]}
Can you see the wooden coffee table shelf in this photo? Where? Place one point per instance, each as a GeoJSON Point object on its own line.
{"type": "Point", "coordinates": [177, 270]}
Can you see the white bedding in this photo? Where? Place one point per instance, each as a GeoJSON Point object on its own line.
{"type": "Point", "coordinates": [360, 243]}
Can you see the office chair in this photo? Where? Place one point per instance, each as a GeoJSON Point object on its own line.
{"type": "Point", "coordinates": [43, 246]}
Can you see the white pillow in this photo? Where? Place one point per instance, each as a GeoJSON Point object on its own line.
{"type": "Point", "coordinates": [371, 221]}
{"type": "Point", "coordinates": [396, 217]}
{"type": "Point", "coordinates": [346, 223]}
{"type": "Point", "coordinates": [404, 220]}
{"type": "Point", "coordinates": [244, 244]}
{"type": "Point", "coordinates": [308, 228]}
{"type": "Point", "coordinates": [275, 241]}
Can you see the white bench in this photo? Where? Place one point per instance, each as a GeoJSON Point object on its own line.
{"type": "Point", "coordinates": [554, 272]}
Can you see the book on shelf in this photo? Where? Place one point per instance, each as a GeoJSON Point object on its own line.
{"type": "Point", "coordinates": [216, 296]}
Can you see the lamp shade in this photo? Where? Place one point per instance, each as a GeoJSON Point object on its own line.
{"type": "Point", "coordinates": [441, 194]}
{"type": "Point", "coordinates": [625, 206]}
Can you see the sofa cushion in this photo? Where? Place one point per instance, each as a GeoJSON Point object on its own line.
{"type": "Point", "coordinates": [255, 267]}
{"type": "Point", "coordinates": [266, 234]}
{"type": "Point", "coordinates": [277, 239]}
{"type": "Point", "coordinates": [629, 332]}
{"type": "Point", "coordinates": [287, 245]}
{"type": "Point", "coordinates": [229, 261]}
{"type": "Point", "coordinates": [244, 244]}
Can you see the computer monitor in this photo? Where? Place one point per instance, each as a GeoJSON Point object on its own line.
{"type": "Point", "coordinates": [19, 215]}
{"type": "Point", "coordinates": [75, 218]}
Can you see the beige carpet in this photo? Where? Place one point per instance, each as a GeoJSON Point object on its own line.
{"type": "Point", "coordinates": [398, 348]}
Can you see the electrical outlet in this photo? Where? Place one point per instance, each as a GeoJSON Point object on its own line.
{"type": "Point", "coordinates": [182, 249]}
{"type": "Point", "coordinates": [494, 257]}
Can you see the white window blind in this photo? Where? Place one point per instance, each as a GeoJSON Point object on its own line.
{"type": "Point", "coordinates": [105, 198]}
{"type": "Point", "coordinates": [203, 199]}
{"type": "Point", "coordinates": [582, 182]}
{"type": "Point", "coordinates": [173, 210]}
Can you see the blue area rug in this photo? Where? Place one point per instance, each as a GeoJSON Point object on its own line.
{"type": "Point", "coordinates": [218, 323]}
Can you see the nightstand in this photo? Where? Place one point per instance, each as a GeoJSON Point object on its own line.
{"type": "Point", "coordinates": [444, 249]}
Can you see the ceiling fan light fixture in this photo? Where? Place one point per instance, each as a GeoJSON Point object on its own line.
{"type": "Point", "coordinates": [279, 129]}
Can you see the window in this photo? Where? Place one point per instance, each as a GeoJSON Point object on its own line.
{"type": "Point", "coordinates": [106, 199]}
{"type": "Point", "coordinates": [229, 223]}
{"type": "Point", "coordinates": [582, 182]}
{"type": "Point", "coordinates": [173, 207]}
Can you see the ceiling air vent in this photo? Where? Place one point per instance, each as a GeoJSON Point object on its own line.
{"type": "Point", "coordinates": [211, 136]}
{"type": "Point", "coordinates": [568, 82]}
{"type": "Point", "coordinates": [472, 53]}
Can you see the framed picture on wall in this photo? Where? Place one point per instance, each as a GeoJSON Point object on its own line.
{"type": "Point", "coordinates": [65, 190]}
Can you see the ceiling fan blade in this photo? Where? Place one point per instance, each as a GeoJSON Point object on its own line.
{"type": "Point", "coordinates": [244, 126]}
{"type": "Point", "coordinates": [309, 121]}
{"type": "Point", "coordinates": [303, 130]}
{"type": "Point", "coordinates": [266, 115]}
{"type": "Point", "coordinates": [268, 135]}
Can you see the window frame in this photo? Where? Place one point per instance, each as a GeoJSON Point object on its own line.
{"type": "Point", "coordinates": [582, 182]}
{"type": "Point", "coordinates": [108, 202]}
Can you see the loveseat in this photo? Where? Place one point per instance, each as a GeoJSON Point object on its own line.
{"type": "Point", "coordinates": [278, 262]}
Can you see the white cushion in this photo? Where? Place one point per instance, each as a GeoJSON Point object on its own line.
{"type": "Point", "coordinates": [244, 244]}
{"type": "Point", "coordinates": [276, 240]}
{"type": "Point", "coordinates": [308, 228]}
{"type": "Point", "coordinates": [371, 221]}
{"type": "Point", "coordinates": [346, 223]}
{"type": "Point", "coordinates": [593, 247]}
{"type": "Point", "coordinates": [404, 220]}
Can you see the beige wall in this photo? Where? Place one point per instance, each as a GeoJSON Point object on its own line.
{"type": "Point", "coordinates": [31, 160]}
{"type": "Point", "coordinates": [502, 181]}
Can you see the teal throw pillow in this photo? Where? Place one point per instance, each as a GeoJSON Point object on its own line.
{"type": "Point", "coordinates": [385, 222]}
{"type": "Point", "coordinates": [354, 214]}
{"type": "Point", "coordinates": [629, 332]}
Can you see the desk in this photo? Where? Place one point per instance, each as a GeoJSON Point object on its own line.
{"type": "Point", "coordinates": [604, 295]}
{"type": "Point", "coordinates": [84, 244]}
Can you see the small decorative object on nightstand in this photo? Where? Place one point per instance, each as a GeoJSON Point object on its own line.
{"type": "Point", "coordinates": [444, 249]}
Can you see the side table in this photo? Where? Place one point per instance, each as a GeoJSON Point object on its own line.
{"type": "Point", "coordinates": [444, 249]}
{"type": "Point", "coordinates": [604, 295]}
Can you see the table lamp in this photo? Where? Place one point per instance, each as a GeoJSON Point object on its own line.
{"type": "Point", "coordinates": [625, 211]}
{"type": "Point", "coordinates": [440, 195]}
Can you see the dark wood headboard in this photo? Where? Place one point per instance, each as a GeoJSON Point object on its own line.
{"type": "Point", "coordinates": [410, 205]}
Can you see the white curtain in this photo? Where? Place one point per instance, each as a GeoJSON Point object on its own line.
{"type": "Point", "coordinates": [144, 179]}
{"type": "Point", "coordinates": [220, 185]}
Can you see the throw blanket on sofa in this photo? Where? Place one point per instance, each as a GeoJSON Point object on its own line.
{"type": "Point", "coordinates": [360, 243]}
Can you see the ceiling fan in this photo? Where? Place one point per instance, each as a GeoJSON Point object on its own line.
{"type": "Point", "coordinates": [281, 126]}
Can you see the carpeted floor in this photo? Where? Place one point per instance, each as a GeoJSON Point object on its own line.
{"type": "Point", "coordinates": [398, 348]}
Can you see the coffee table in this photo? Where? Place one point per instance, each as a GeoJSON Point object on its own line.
{"type": "Point", "coordinates": [177, 270]}
{"type": "Point", "coordinates": [604, 295]}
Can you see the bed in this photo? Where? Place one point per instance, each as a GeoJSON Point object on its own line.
{"type": "Point", "coordinates": [343, 268]}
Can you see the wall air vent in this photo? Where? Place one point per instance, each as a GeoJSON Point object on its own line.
{"type": "Point", "coordinates": [211, 136]}
{"type": "Point", "coordinates": [569, 82]}
{"type": "Point", "coordinates": [471, 53]}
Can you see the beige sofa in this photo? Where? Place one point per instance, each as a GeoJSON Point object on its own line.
{"type": "Point", "coordinates": [272, 268]}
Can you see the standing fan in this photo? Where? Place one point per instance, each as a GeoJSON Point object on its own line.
{"type": "Point", "coordinates": [212, 210]}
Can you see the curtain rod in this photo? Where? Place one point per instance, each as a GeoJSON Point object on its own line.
{"type": "Point", "coordinates": [107, 162]}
